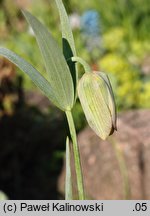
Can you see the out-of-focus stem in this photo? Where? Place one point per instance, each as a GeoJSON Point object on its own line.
{"type": "Point", "coordinates": [123, 170]}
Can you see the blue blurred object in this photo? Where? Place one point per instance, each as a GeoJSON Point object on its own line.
{"type": "Point", "coordinates": [90, 23]}
{"type": "Point", "coordinates": [91, 32]}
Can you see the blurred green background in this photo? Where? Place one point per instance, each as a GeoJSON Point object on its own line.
{"type": "Point", "coordinates": [112, 36]}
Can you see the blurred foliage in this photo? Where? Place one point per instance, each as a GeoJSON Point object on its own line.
{"type": "Point", "coordinates": [132, 15]}
{"type": "Point", "coordinates": [125, 78]}
{"type": "Point", "coordinates": [8, 96]}
{"type": "Point", "coordinates": [122, 49]}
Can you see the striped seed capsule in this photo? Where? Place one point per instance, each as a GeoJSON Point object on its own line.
{"type": "Point", "coordinates": [97, 100]}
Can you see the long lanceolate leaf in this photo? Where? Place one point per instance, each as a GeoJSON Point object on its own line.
{"type": "Point", "coordinates": [68, 181]}
{"type": "Point", "coordinates": [35, 76]}
{"type": "Point", "coordinates": [58, 71]}
{"type": "Point", "coordinates": [69, 49]}
{"type": "Point", "coordinates": [65, 27]}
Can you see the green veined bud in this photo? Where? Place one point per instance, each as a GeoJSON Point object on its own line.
{"type": "Point", "coordinates": [97, 100]}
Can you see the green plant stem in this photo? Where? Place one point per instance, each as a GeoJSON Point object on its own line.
{"type": "Point", "coordinates": [85, 65]}
{"type": "Point", "coordinates": [76, 155]}
{"type": "Point", "coordinates": [123, 170]}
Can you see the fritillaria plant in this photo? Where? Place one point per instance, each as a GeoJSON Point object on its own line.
{"type": "Point", "coordinates": [62, 87]}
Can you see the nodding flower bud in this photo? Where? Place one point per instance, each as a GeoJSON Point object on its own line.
{"type": "Point", "coordinates": [97, 100]}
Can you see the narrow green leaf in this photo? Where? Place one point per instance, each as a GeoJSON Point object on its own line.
{"type": "Point", "coordinates": [58, 71]}
{"type": "Point", "coordinates": [69, 49]}
{"type": "Point", "coordinates": [68, 181]}
{"type": "Point", "coordinates": [35, 76]}
{"type": "Point", "coordinates": [66, 28]}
